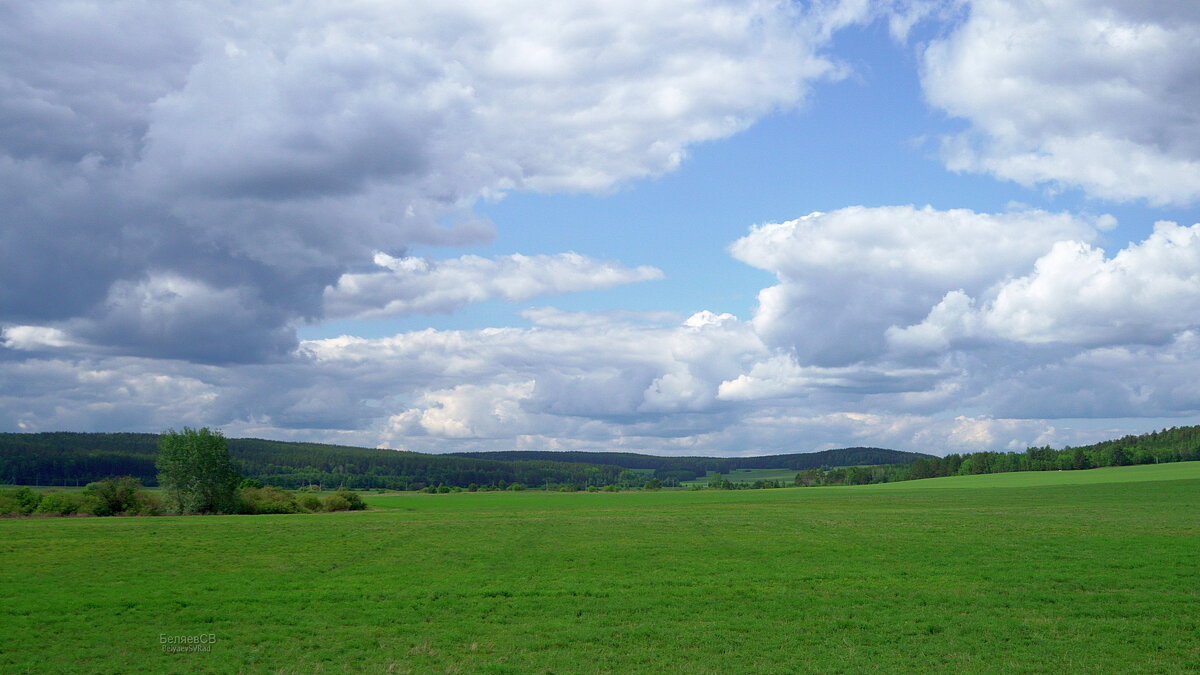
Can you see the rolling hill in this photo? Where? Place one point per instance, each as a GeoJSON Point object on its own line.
{"type": "Point", "coordinates": [64, 458]}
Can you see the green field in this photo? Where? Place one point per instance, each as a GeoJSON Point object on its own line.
{"type": "Point", "coordinates": [1085, 571]}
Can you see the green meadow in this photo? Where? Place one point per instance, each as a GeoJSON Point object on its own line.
{"type": "Point", "coordinates": [1073, 572]}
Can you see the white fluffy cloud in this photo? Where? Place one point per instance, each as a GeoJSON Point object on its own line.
{"type": "Point", "coordinates": [182, 185]}
{"type": "Point", "coordinates": [846, 276]}
{"type": "Point", "coordinates": [263, 151]}
{"type": "Point", "coordinates": [1145, 294]}
{"type": "Point", "coordinates": [1099, 94]}
{"type": "Point", "coordinates": [418, 285]}
{"type": "Point", "coordinates": [989, 326]}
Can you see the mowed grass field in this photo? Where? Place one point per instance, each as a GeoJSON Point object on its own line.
{"type": "Point", "coordinates": [1055, 572]}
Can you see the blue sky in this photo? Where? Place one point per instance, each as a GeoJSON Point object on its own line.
{"type": "Point", "coordinates": [868, 139]}
{"type": "Point", "coordinates": [497, 227]}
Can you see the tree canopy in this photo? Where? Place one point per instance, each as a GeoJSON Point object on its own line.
{"type": "Point", "coordinates": [195, 471]}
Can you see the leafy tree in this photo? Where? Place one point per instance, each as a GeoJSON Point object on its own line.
{"type": "Point", "coordinates": [195, 471]}
{"type": "Point", "coordinates": [858, 475]}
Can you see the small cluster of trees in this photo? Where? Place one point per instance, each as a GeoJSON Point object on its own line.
{"type": "Point", "coordinates": [720, 482]}
{"type": "Point", "coordinates": [196, 475]}
{"type": "Point", "coordinates": [851, 475]}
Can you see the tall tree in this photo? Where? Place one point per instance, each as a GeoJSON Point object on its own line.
{"type": "Point", "coordinates": [195, 471]}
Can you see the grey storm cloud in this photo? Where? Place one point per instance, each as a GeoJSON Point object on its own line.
{"type": "Point", "coordinates": [168, 167]}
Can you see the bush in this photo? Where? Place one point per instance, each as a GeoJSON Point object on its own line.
{"type": "Point", "coordinates": [9, 505]}
{"type": "Point", "coordinates": [310, 503]}
{"type": "Point", "coordinates": [336, 502]}
{"type": "Point", "coordinates": [117, 495]}
{"type": "Point", "coordinates": [20, 501]}
{"type": "Point", "coordinates": [149, 504]}
{"type": "Point", "coordinates": [266, 500]}
{"type": "Point", "coordinates": [58, 503]}
{"type": "Point", "coordinates": [356, 503]}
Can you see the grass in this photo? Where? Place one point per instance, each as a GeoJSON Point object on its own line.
{"type": "Point", "coordinates": [1019, 573]}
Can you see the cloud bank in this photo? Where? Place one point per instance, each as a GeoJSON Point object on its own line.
{"type": "Point", "coordinates": [177, 202]}
{"type": "Point", "coordinates": [416, 285]}
{"type": "Point", "coordinates": [896, 326]}
{"type": "Point", "coordinates": [160, 160]}
{"type": "Point", "coordinates": [1096, 94]}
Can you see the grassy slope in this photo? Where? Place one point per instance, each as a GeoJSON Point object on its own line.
{"type": "Point", "coordinates": [1093, 573]}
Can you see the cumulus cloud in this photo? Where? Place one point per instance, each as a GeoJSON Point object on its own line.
{"type": "Point", "coordinates": [986, 326]}
{"type": "Point", "coordinates": [1145, 294]}
{"type": "Point", "coordinates": [182, 185]}
{"type": "Point", "coordinates": [846, 276]}
{"type": "Point", "coordinates": [422, 286]}
{"type": "Point", "coordinates": [704, 385]}
{"type": "Point", "coordinates": [1099, 94]}
{"type": "Point", "coordinates": [264, 151]}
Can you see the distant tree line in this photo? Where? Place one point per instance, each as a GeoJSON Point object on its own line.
{"type": "Point", "coordinates": [1177, 444]}
{"type": "Point", "coordinates": [720, 482]}
{"type": "Point", "coordinates": [76, 459]}
{"type": "Point", "coordinates": [674, 470]}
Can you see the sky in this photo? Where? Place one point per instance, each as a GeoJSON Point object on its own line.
{"type": "Point", "coordinates": [693, 227]}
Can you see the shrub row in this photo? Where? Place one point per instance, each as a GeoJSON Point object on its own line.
{"type": "Point", "coordinates": [109, 497]}
{"type": "Point", "coordinates": [126, 497]}
{"type": "Point", "coordinates": [261, 500]}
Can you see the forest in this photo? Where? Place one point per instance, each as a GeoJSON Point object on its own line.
{"type": "Point", "coordinates": [63, 458]}
{"type": "Point", "coordinates": [677, 469]}
{"type": "Point", "coordinates": [1176, 444]}
{"type": "Point", "coordinates": [76, 459]}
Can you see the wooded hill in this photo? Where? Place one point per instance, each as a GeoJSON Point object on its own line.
{"type": "Point", "coordinates": [63, 458]}
{"type": "Point", "coordinates": [690, 468]}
